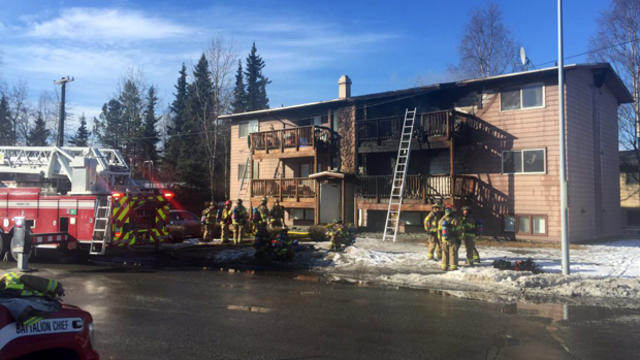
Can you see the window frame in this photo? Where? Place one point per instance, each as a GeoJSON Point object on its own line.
{"type": "Point", "coordinates": [521, 151]}
{"type": "Point", "coordinates": [530, 219]}
{"type": "Point", "coordinates": [520, 88]}
{"type": "Point", "coordinates": [256, 171]}
{"type": "Point", "coordinates": [248, 123]}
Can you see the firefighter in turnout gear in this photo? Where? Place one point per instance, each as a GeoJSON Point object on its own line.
{"type": "Point", "coordinates": [239, 219]}
{"type": "Point", "coordinates": [431, 227]}
{"type": "Point", "coordinates": [468, 234]}
{"type": "Point", "coordinates": [449, 240]}
{"type": "Point", "coordinates": [224, 219]}
{"type": "Point", "coordinates": [209, 221]}
{"type": "Point", "coordinates": [276, 215]}
{"type": "Point", "coordinates": [263, 211]}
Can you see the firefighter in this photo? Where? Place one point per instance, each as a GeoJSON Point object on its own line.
{"type": "Point", "coordinates": [276, 215]}
{"type": "Point", "coordinates": [431, 227]}
{"type": "Point", "coordinates": [209, 221]}
{"type": "Point", "coordinates": [449, 241]}
{"type": "Point", "coordinates": [239, 220]}
{"type": "Point", "coordinates": [224, 219]}
{"type": "Point", "coordinates": [340, 236]}
{"type": "Point", "coordinates": [468, 234]}
{"type": "Point", "coordinates": [263, 211]}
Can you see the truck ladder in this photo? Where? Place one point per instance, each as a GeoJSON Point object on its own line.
{"type": "Point", "coordinates": [101, 226]}
{"type": "Point", "coordinates": [399, 176]}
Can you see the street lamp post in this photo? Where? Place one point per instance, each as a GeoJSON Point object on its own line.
{"type": "Point", "coordinates": [563, 156]}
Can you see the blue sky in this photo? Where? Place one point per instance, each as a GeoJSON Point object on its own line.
{"type": "Point", "coordinates": [307, 45]}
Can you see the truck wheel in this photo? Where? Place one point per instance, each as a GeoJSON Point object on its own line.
{"type": "Point", "coordinates": [4, 245]}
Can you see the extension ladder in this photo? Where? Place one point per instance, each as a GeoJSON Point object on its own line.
{"type": "Point", "coordinates": [399, 176]}
{"type": "Point", "coordinates": [101, 226]}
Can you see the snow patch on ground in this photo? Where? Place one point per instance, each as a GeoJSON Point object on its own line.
{"type": "Point", "coordinates": [609, 270]}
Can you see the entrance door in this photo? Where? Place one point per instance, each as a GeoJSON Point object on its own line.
{"type": "Point", "coordinates": [329, 203]}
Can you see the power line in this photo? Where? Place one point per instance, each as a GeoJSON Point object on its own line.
{"type": "Point", "coordinates": [591, 51]}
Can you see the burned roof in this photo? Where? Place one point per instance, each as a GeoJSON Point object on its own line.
{"type": "Point", "coordinates": [611, 79]}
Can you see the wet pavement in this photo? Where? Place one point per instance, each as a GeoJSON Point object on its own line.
{"type": "Point", "coordinates": [191, 313]}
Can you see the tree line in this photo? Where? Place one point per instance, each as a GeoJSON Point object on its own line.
{"type": "Point", "coordinates": [192, 153]}
{"type": "Point", "coordinates": [23, 122]}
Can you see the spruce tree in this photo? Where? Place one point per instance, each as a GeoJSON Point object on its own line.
{"type": "Point", "coordinates": [6, 128]}
{"type": "Point", "coordinates": [239, 93]}
{"type": "Point", "coordinates": [192, 162]}
{"type": "Point", "coordinates": [132, 109]}
{"type": "Point", "coordinates": [256, 82]}
{"type": "Point", "coordinates": [149, 133]}
{"type": "Point", "coordinates": [39, 133]}
{"type": "Point", "coordinates": [178, 109]}
{"type": "Point", "coordinates": [109, 125]}
{"type": "Point", "coordinates": [81, 138]}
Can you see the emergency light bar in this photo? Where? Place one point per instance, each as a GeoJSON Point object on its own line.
{"type": "Point", "coordinates": [168, 194]}
{"type": "Point", "coordinates": [117, 195]}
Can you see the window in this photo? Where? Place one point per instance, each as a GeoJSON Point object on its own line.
{"type": "Point", "coordinates": [244, 170]}
{"type": "Point", "coordinates": [532, 224]}
{"type": "Point", "coordinates": [246, 128]}
{"type": "Point", "coordinates": [509, 223]}
{"type": "Point", "coordinates": [632, 178]}
{"type": "Point", "coordinates": [524, 224]}
{"type": "Point", "coordinates": [530, 96]}
{"type": "Point", "coordinates": [524, 161]}
{"type": "Point", "coordinates": [302, 214]}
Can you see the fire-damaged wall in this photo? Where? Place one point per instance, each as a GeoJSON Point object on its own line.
{"type": "Point", "coordinates": [347, 132]}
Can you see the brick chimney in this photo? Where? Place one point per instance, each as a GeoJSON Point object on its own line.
{"type": "Point", "coordinates": [344, 87]}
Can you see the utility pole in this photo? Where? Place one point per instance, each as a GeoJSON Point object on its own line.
{"type": "Point", "coordinates": [63, 82]}
{"type": "Point", "coordinates": [563, 157]}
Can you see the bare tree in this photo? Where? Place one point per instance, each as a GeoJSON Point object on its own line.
{"type": "Point", "coordinates": [616, 42]}
{"type": "Point", "coordinates": [20, 112]}
{"type": "Point", "coordinates": [221, 60]}
{"type": "Point", "coordinates": [48, 109]}
{"type": "Point", "coordinates": [487, 47]}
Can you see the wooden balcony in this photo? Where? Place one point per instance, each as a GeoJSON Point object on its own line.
{"type": "Point", "coordinates": [420, 191]}
{"type": "Point", "coordinates": [303, 141]}
{"type": "Point", "coordinates": [382, 134]}
{"type": "Point", "coordinates": [297, 192]}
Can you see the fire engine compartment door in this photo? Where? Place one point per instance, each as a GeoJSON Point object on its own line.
{"type": "Point", "coordinates": [143, 216]}
{"type": "Point", "coordinates": [64, 224]}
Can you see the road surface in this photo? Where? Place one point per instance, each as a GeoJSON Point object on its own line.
{"type": "Point", "coordinates": [193, 313]}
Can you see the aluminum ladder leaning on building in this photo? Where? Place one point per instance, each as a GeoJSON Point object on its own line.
{"type": "Point", "coordinates": [399, 176]}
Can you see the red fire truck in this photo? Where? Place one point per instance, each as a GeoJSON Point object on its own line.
{"type": "Point", "coordinates": [78, 195]}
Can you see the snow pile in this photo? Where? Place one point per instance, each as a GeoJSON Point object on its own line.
{"type": "Point", "coordinates": [610, 270]}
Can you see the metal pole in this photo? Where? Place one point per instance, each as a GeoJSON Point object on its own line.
{"type": "Point", "coordinates": [563, 157]}
{"type": "Point", "coordinates": [60, 141]}
{"type": "Point", "coordinates": [63, 82]}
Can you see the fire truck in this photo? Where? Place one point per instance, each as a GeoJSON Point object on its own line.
{"type": "Point", "coordinates": [71, 196]}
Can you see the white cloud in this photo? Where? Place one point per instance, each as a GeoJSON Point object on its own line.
{"type": "Point", "coordinates": [93, 24]}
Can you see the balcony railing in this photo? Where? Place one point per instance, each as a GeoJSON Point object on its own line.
{"type": "Point", "coordinates": [288, 188]}
{"type": "Point", "coordinates": [438, 123]}
{"type": "Point", "coordinates": [316, 137]}
{"type": "Point", "coordinates": [419, 187]}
